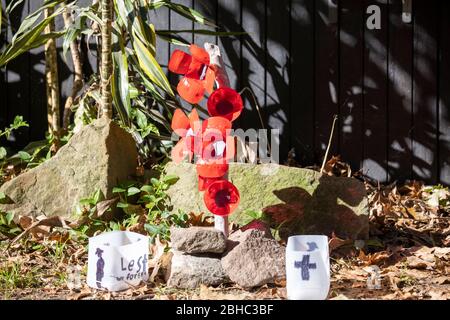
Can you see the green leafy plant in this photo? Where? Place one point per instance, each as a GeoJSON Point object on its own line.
{"type": "Point", "coordinates": [86, 211]}
{"type": "Point", "coordinates": [33, 154]}
{"type": "Point", "coordinates": [89, 204]}
{"type": "Point", "coordinates": [152, 200]}
{"type": "Point", "coordinates": [144, 207]}
{"type": "Point", "coordinates": [7, 226]}
{"type": "Point", "coordinates": [17, 123]}
{"type": "Point", "coordinates": [31, 34]}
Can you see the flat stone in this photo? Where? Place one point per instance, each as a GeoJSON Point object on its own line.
{"type": "Point", "coordinates": [190, 271]}
{"type": "Point", "coordinates": [305, 200]}
{"type": "Point", "coordinates": [253, 259]}
{"type": "Point", "coordinates": [198, 240]}
{"type": "Point", "coordinates": [98, 157]}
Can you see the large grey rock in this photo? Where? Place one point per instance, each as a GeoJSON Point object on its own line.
{"type": "Point", "coordinates": [307, 201]}
{"type": "Point", "coordinates": [253, 259]}
{"type": "Point", "coordinates": [190, 271]}
{"type": "Point", "coordinates": [198, 240]}
{"type": "Point", "coordinates": [97, 158]}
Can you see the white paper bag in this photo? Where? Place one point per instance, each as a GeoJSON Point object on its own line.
{"type": "Point", "coordinates": [307, 268]}
{"type": "Point", "coordinates": [117, 260]}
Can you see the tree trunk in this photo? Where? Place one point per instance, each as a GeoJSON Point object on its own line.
{"type": "Point", "coordinates": [52, 83]}
{"type": "Point", "coordinates": [106, 63]}
{"type": "Point", "coordinates": [78, 73]}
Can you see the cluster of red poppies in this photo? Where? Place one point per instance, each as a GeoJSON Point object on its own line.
{"type": "Point", "coordinates": [208, 142]}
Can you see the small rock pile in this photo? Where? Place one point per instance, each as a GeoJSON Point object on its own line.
{"type": "Point", "coordinates": [202, 255]}
{"type": "Point", "coordinates": [196, 257]}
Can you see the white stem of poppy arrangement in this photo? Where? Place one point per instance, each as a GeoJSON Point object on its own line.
{"type": "Point", "coordinates": [222, 80]}
{"type": "Point", "coordinates": [216, 62]}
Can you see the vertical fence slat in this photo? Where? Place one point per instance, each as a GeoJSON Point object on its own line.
{"type": "Point", "coordinates": [326, 79]}
{"type": "Point", "coordinates": [277, 109]}
{"type": "Point", "coordinates": [425, 91]}
{"type": "Point", "coordinates": [375, 96]}
{"type": "Point", "coordinates": [444, 106]}
{"type": "Point", "coordinates": [302, 80]}
{"type": "Point", "coordinates": [351, 81]}
{"type": "Point", "coordinates": [400, 94]}
{"type": "Point", "coordinates": [36, 89]}
{"type": "Point", "coordinates": [65, 67]}
{"type": "Point", "coordinates": [208, 9]}
{"type": "Point", "coordinates": [178, 22]}
{"type": "Point", "coordinates": [229, 19]}
{"type": "Point", "coordinates": [19, 82]}
{"type": "Point", "coordinates": [88, 51]}
{"type": "Point", "coordinates": [161, 20]}
{"type": "Point", "coordinates": [253, 61]}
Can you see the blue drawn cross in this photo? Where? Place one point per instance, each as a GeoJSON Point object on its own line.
{"type": "Point", "coordinates": [305, 266]}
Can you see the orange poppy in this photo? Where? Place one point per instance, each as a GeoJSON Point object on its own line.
{"type": "Point", "coordinates": [189, 129]}
{"type": "Point", "coordinates": [198, 76]}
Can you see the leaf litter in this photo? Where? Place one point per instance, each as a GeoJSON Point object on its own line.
{"type": "Point", "coordinates": [406, 257]}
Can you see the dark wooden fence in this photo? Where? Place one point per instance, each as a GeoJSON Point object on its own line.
{"type": "Point", "coordinates": [389, 87]}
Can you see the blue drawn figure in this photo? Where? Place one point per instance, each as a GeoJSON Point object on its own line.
{"type": "Point", "coordinates": [100, 266]}
{"type": "Point", "coordinates": [312, 246]}
{"type": "Point", "coordinates": [305, 266]}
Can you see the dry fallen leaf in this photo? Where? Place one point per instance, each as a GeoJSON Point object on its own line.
{"type": "Point", "coordinates": [85, 292]}
{"type": "Point", "coordinates": [157, 252]}
{"type": "Point", "coordinates": [442, 253]}
{"type": "Point", "coordinates": [438, 294]}
{"type": "Point", "coordinates": [336, 242]}
{"type": "Point", "coordinates": [200, 220]}
{"type": "Point", "coordinates": [376, 258]}
{"type": "Point", "coordinates": [441, 280]}
{"type": "Point", "coordinates": [417, 263]}
{"type": "Point", "coordinates": [25, 222]}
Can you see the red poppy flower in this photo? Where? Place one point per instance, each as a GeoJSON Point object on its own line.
{"type": "Point", "coordinates": [189, 129]}
{"type": "Point", "coordinates": [221, 197]}
{"type": "Point", "coordinates": [198, 75]}
{"type": "Point", "coordinates": [225, 102]}
{"type": "Point", "coordinates": [203, 183]}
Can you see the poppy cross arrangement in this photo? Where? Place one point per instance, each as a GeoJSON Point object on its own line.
{"type": "Point", "coordinates": [208, 143]}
